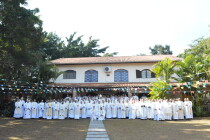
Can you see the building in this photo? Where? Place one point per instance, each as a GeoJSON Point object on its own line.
{"type": "Point", "coordinates": [108, 72]}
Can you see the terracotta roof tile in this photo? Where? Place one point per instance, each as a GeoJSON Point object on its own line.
{"type": "Point", "coordinates": [116, 59]}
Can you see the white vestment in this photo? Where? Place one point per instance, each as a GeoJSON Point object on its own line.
{"type": "Point", "coordinates": [34, 110]}
{"type": "Point", "coordinates": [49, 110]}
{"type": "Point", "coordinates": [56, 107]}
{"type": "Point", "coordinates": [71, 110]}
{"type": "Point", "coordinates": [27, 110]}
{"type": "Point", "coordinates": [18, 110]}
{"type": "Point", "coordinates": [41, 110]}
{"type": "Point", "coordinates": [77, 111]}
{"type": "Point", "coordinates": [62, 111]}
{"type": "Point", "coordinates": [108, 110]}
{"type": "Point", "coordinates": [114, 110]}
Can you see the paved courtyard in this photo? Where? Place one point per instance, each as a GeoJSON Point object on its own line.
{"type": "Point", "coordinates": [18, 129]}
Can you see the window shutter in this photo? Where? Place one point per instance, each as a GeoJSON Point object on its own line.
{"type": "Point", "coordinates": [153, 75]}
{"type": "Point", "coordinates": [138, 74]}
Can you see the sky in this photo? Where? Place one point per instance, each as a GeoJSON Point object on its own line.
{"type": "Point", "coordinates": [129, 27]}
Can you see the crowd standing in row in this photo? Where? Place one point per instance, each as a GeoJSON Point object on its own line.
{"type": "Point", "coordinates": [101, 108]}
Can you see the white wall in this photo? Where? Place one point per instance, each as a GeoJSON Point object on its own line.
{"type": "Point", "coordinates": [102, 77]}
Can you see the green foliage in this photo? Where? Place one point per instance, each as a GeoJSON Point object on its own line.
{"type": "Point", "coordinates": [160, 50]}
{"type": "Point", "coordinates": [200, 47]}
{"type": "Point", "coordinates": [110, 54]}
{"type": "Point", "coordinates": [198, 106]}
{"type": "Point", "coordinates": [159, 89]}
{"type": "Point", "coordinates": [77, 48]}
{"type": "Point", "coordinates": [52, 46]}
{"type": "Point", "coordinates": [165, 69]}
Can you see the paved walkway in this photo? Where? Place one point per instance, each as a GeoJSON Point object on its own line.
{"type": "Point", "coordinates": [97, 131]}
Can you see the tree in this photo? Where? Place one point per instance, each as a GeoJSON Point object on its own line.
{"type": "Point", "coordinates": [110, 54]}
{"type": "Point", "coordinates": [159, 89]}
{"type": "Point", "coordinates": [160, 50]}
{"type": "Point", "coordinates": [165, 69]}
{"type": "Point", "coordinates": [52, 46]}
{"type": "Point", "coordinates": [141, 54]}
{"type": "Point", "coordinates": [77, 48]}
{"type": "Point", "coordinates": [200, 47]}
{"type": "Point", "coordinates": [20, 36]}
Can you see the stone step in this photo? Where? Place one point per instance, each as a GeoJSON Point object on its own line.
{"type": "Point", "coordinates": [97, 136]}
{"type": "Point", "coordinates": [97, 139]}
{"type": "Point", "coordinates": [96, 133]}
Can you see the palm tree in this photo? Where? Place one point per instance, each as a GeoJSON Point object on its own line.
{"type": "Point", "coordinates": [165, 69]}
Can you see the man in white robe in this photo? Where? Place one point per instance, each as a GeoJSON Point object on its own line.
{"type": "Point", "coordinates": [150, 110]}
{"type": "Point", "coordinates": [108, 110]}
{"type": "Point", "coordinates": [101, 114]}
{"type": "Point", "coordinates": [114, 110]}
{"type": "Point", "coordinates": [77, 111]}
{"type": "Point", "coordinates": [132, 113]}
{"type": "Point", "coordinates": [83, 106]}
{"type": "Point", "coordinates": [55, 108]}
{"type": "Point", "coordinates": [62, 112]}
{"type": "Point", "coordinates": [66, 108]}
{"type": "Point", "coordinates": [41, 109]}
{"type": "Point", "coordinates": [119, 113]}
{"type": "Point", "coordinates": [188, 109]}
{"type": "Point", "coordinates": [88, 107]}
{"type": "Point", "coordinates": [27, 110]}
{"type": "Point", "coordinates": [45, 109]}
{"type": "Point", "coordinates": [143, 110]}
{"type": "Point", "coordinates": [18, 109]}
{"type": "Point", "coordinates": [181, 109]}
{"type": "Point", "coordinates": [168, 110]}
{"type": "Point", "coordinates": [175, 110]}
{"type": "Point", "coordinates": [22, 108]}
{"type": "Point", "coordinates": [49, 110]}
{"type": "Point", "coordinates": [123, 110]}
{"type": "Point", "coordinates": [71, 110]}
{"type": "Point", "coordinates": [94, 112]}
{"type": "Point", "coordinates": [34, 109]}
{"type": "Point", "coordinates": [127, 108]}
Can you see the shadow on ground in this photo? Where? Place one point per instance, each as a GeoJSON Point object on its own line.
{"type": "Point", "coordinates": [18, 129]}
{"type": "Point", "coordinates": [197, 129]}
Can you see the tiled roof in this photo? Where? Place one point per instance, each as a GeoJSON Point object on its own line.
{"type": "Point", "coordinates": [113, 60]}
{"type": "Point", "coordinates": [103, 85]}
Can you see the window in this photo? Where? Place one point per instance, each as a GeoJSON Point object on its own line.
{"type": "Point", "coordinates": [121, 75]}
{"type": "Point", "coordinates": [69, 74]}
{"type": "Point", "coordinates": [138, 74]}
{"type": "Point", "coordinates": [147, 74]}
{"type": "Point", "coordinates": [91, 76]}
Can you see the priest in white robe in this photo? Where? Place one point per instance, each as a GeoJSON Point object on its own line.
{"type": "Point", "coordinates": [143, 110]}
{"type": "Point", "coordinates": [83, 106]}
{"type": "Point", "coordinates": [27, 110]}
{"type": "Point", "coordinates": [18, 109]}
{"type": "Point", "coordinates": [55, 108]}
{"type": "Point", "coordinates": [108, 109]}
{"type": "Point", "coordinates": [114, 110]}
{"type": "Point", "coordinates": [181, 109]}
{"type": "Point", "coordinates": [71, 110]}
{"type": "Point", "coordinates": [77, 111]}
{"type": "Point", "coordinates": [123, 110]}
{"type": "Point", "coordinates": [41, 109]}
{"type": "Point", "coordinates": [175, 110]}
{"type": "Point", "coordinates": [34, 109]}
{"type": "Point", "coordinates": [150, 110]}
{"type": "Point", "coordinates": [188, 109]}
{"type": "Point", "coordinates": [62, 112]}
{"type": "Point", "coordinates": [101, 114]}
{"type": "Point", "coordinates": [88, 107]}
{"type": "Point", "coordinates": [49, 110]}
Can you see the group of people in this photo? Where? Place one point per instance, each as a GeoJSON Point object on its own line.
{"type": "Point", "coordinates": [101, 108]}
